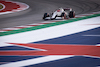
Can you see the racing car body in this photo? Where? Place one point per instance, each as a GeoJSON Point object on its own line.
{"type": "Point", "coordinates": [62, 13]}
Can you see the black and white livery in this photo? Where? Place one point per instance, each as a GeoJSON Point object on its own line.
{"type": "Point", "coordinates": [60, 14]}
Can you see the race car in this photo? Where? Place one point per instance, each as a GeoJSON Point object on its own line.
{"type": "Point", "coordinates": [61, 13]}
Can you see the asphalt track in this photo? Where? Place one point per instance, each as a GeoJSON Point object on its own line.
{"type": "Point", "coordinates": [39, 7]}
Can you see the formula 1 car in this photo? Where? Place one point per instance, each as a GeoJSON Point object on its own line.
{"type": "Point", "coordinates": [62, 13]}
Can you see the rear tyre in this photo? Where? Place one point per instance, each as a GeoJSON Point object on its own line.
{"type": "Point", "coordinates": [71, 14]}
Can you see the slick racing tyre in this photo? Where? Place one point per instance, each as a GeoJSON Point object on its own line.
{"type": "Point", "coordinates": [71, 14]}
{"type": "Point", "coordinates": [45, 15]}
{"type": "Point", "coordinates": [64, 16]}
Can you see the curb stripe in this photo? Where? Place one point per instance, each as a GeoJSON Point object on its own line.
{"type": "Point", "coordinates": [22, 7]}
{"type": "Point", "coordinates": [39, 26]}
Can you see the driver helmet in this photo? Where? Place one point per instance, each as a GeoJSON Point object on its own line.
{"type": "Point", "coordinates": [60, 10]}
{"type": "Point", "coordinates": [71, 9]}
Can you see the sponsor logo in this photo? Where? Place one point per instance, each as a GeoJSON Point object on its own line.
{"type": "Point", "coordinates": [54, 49]}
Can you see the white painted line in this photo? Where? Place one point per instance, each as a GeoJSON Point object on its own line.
{"type": "Point", "coordinates": [91, 56]}
{"type": "Point", "coordinates": [2, 31]}
{"type": "Point", "coordinates": [86, 14]}
{"type": "Point", "coordinates": [23, 26]}
{"type": "Point", "coordinates": [92, 35]}
{"type": "Point", "coordinates": [36, 61]}
{"type": "Point", "coordinates": [96, 12]}
{"type": "Point", "coordinates": [79, 16]}
{"type": "Point", "coordinates": [6, 45]}
{"type": "Point", "coordinates": [36, 24]}
{"type": "Point", "coordinates": [47, 22]}
{"type": "Point", "coordinates": [10, 28]}
{"type": "Point", "coordinates": [98, 45]}
{"type": "Point", "coordinates": [33, 48]}
{"type": "Point", "coordinates": [5, 12]}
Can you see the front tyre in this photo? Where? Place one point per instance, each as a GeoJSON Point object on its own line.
{"type": "Point", "coordinates": [45, 15]}
{"type": "Point", "coordinates": [64, 16]}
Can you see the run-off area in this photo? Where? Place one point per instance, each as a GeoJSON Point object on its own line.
{"type": "Point", "coordinates": [90, 37]}
{"type": "Point", "coordinates": [85, 32]}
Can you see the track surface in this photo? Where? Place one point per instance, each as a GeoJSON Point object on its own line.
{"type": "Point", "coordinates": [34, 15]}
{"type": "Point", "coordinates": [39, 7]}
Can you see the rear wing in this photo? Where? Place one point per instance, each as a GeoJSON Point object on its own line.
{"type": "Point", "coordinates": [68, 9]}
